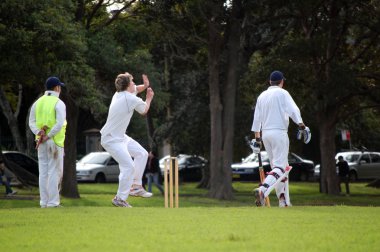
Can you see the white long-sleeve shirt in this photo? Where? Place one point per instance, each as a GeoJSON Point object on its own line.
{"type": "Point", "coordinates": [122, 106]}
{"type": "Point", "coordinates": [273, 109]}
{"type": "Point", "coordinates": [60, 115]}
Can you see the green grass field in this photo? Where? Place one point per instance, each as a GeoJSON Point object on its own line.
{"type": "Point", "coordinates": [316, 222]}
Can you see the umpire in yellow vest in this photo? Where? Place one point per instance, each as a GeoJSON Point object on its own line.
{"type": "Point", "coordinates": [47, 120]}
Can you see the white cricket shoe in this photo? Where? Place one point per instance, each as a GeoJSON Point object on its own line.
{"type": "Point", "coordinates": [119, 202]}
{"type": "Point", "coordinates": [259, 195]}
{"type": "Point", "coordinates": [139, 191]}
{"type": "Point", "coordinates": [11, 194]}
{"type": "Point", "coordinates": [282, 203]}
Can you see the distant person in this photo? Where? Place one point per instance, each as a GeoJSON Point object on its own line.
{"type": "Point", "coordinates": [119, 145]}
{"type": "Point", "coordinates": [343, 171]}
{"type": "Point", "coordinates": [5, 179]}
{"type": "Point", "coordinates": [152, 172]}
{"type": "Point", "coordinates": [47, 120]}
{"type": "Point", "coordinates": [273, 109]}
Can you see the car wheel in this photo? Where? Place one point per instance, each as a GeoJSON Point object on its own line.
{"type": "Point", "coordinates": [100, 178]}
{"type": "Point", "coordinates": [353, 176]}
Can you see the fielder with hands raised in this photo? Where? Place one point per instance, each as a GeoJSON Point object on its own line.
{"type": "Point", "coordinates": [122, 147]}
{"type": "Point", "coordinates": [271, 119]}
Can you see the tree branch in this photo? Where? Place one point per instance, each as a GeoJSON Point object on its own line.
{"type": "Point", "coordinates": [92, 13]}
{"type": "Point", "coordinates": [19, 100]}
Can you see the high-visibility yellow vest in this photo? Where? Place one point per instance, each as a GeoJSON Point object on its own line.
{"type": "Point", "coordinates": [45, 115]}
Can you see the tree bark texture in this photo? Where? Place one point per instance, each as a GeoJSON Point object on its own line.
{"type": "Point", "coordinates": [229, 97]}
{"type": "Point", "coordinates": [328, 116]}
{"type": "Point", "coordinates": [217, 181]}
{"type": "Point", "coordinates": [69, 186]}
{"type": "Point", "coordinates": [222, 100]}
{"type": "Point", "coordinates": [329, 178]}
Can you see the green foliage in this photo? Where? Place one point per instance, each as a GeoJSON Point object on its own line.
{"type": "Point", "coordinates": [364, 130]}
{"type": "Point", "coordinates": [105, 54]}
{"type": "Point", "coordinates": [40, 40]}
{"type": "Point", "coordinates": [317, 84]}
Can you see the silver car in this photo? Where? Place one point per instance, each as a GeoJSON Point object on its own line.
{"type": "Point", "coordinates": [363, 165]}
{"type": "Point", "coordinates": [98, 167]}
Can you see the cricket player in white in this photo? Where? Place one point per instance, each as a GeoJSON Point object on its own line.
{"type": "Point", "coordinates": [119, 145]}
{"type": "Point", "coordinates": [47, 120]}
{"type": "Point", "coordinates": [271, 119]}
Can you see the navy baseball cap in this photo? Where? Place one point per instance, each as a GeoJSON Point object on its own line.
{"type": "Point", "coordinates": [276, 76]}
{"type": "Point", "coordinates": [52, 82]}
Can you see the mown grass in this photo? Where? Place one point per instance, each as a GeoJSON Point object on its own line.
{"type": "Point", "coordinates": [316, 222]}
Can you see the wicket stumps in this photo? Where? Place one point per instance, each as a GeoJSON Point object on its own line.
{"type": "Point", "coordinates": [170, 164]}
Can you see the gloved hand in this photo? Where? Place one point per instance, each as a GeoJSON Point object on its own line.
{"type": "Point", "coordinates": [304, 132]}
{"type": "Point", "coordinates": [255, 145]}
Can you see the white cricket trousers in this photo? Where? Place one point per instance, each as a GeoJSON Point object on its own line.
{"type": "Point", "coordinates": [276, 144]}
{"type": "Point", "coordinates": [131, 170]}
{"type": "Point", "coordinates": [50, 167]}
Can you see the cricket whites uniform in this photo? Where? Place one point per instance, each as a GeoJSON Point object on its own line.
{"type": "Point", "coordinates": [122, 147]}
{"type": "Point", "coordinates": [273, 109]}
{"type": "Point", "coordinates": [49, 111]}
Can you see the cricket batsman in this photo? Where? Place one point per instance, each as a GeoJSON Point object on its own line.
{"type": "Point", "coordinates": [122, 147]}
{"type": "Point", "coordinates": [270, 126]}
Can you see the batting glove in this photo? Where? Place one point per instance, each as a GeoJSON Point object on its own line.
{"type": "Point", "coordinates": [256, 145]}
{"type": "Point", "coordinates": [305, 134]}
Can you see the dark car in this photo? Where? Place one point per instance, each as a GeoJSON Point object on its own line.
{"type": "Point", "coordinates": [248, 169]}
{"type": "Point", "coordinates": [190, 168]}
{"type": "Point", "coordinates": [24, 167]}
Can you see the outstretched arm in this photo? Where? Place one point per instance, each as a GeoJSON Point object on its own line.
{"type": "Point", "coordinates": [148, 100]}
{"type": "Point", "coordinates": [145, 85]}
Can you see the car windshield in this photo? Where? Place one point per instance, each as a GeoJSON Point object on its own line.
{"type": "Point", "coordinates": [95, 158]}
{"type": "Point", "coordinates": [254, 158]}
{"type": "Point", "coordinates": [182, 159]}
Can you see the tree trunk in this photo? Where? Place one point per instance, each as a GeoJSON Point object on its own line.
{"type": "Point", "coordinates": [217, 182]}
{"type": "Point", "coordinates": [30, 138]}
{"type": "Point", "coordinates": [167, 147]}
{"type": "Point", "coordinates": [329, 178]}
{"type": "Point", "coordinates": [205, 181]}
{"type": "Point", "coordinates": [328, 116]}
{"type": "Point", "coordinates": [150, 131]}
{"type": "Point", "coordinates": [229, 96]}
{"type": "Point", "coordinates": [69, 182]}
{"type": "Point", "coordinates": [12, 121]}
{"type": "Point", "coordinates": [220, 171]}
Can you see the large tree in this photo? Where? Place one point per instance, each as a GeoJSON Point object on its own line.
{"type": "Point", "coordinates": [218, 37]}
{"type": "Point", "coordinates": [329, 58]}
{"type": "Point", "coordinates": [40, 40]}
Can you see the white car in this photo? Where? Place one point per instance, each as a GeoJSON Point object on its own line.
{"type": "Point", "coordinates": [363, 165]}
{"type": "Point", "coordinates": [98, 167]}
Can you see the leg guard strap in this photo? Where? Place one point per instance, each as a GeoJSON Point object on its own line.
{"type": "Point", "coordinates": [265, 185]}
{"type": "Point", "coordinates": [274, 174]}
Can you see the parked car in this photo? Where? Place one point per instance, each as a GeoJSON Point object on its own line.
{"type": "Point", "coordinates": [99, 167]}
{"type": "Point", "coordinates": [248, 169]}
{"type": "Point", "coordinates": [363, 165]}
{"type": "Point", "coordinates": [24, 168]}
{"type": "Point", "coordinates": [190, 167]}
